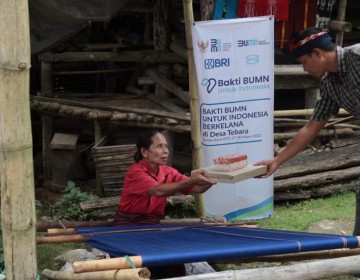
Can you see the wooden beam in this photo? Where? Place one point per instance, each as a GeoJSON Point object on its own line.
{"type": "Point", "coordinates": [143, 56]}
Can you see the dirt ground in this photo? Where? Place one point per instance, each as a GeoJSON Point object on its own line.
{"type": "Point", "coordinates": [339, 226]}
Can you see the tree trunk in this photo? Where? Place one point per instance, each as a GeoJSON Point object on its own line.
{"type": "Point", "coordinates": [18, 218]}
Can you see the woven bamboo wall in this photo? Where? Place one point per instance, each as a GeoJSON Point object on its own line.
{"type": "Point", "coordinates": [112, 163]}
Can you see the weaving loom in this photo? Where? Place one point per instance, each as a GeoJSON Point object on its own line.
{"type": "Point", "coordinates": [174, 244]}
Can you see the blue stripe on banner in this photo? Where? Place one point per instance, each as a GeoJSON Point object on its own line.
{"type": "Point", "coordinates": [252, 212]}
{"type": "Point", "coordinates": [161, 245]}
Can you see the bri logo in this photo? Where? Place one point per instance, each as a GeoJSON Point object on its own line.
{"type": "Point", "coordinates": [252, 59]}
{"type": "Point", "coordinates": [209, 84]}
{"type": "Point", "coordinates": [217, 63]}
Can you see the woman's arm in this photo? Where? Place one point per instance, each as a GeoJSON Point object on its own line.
{"type": "Point", "coordinates": [200, 183]}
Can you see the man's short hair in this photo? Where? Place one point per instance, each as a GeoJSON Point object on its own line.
{"type": "Point", "coordinates": [305, 41]}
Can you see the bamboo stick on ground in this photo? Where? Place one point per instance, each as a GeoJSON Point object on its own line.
{"type": "Point", "coordinates": [121, 274]}
{"type": "Point", "coordinates": [327, 254]}
{"type": "Point", "coordinates": [302, 271]}
{"type": "Point", "coordinates": [107, 264]}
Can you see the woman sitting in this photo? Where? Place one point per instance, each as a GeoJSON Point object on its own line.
{"type": "Point", "coordinates": [147, 184]}
{"type": "Point", "coordinates": [149, 181]}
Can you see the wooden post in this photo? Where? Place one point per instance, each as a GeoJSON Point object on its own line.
{"type": "Point", "coordinates": [47, 120]}
{"type": "Point", "coordinates": [98, 135]}
{"type": "Point", "coordinates": [341, 17]}
{"type": "Point", "coordinates": [161, 38]}
{"type": "Point", "coordinates": [162, 43]}
{"type": "Point", "coordinates": [356, 230]}
{"type": "Point", "coordinates": [194, 101]}
{"type": "Point", "coordinates": [18, 218]}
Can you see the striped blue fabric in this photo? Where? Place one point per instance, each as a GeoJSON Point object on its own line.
{"type": "Point", "coordinates": [175, 244]}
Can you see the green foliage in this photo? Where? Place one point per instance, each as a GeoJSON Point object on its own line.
{"type": "Point", "coordinates": [301, 215]}
{"type": "Point", "coordinates": [38, 207]}
{"type": "Point", "coordinates": [47, 253]}
{"type": "Point", "coordinates": [185, 210]}
{"type": "Point", "coordinates": [68, 207]}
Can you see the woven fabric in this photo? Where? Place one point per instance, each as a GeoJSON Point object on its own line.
{"type": "Point", "coordinates": [326, 10]}
{"type": "Point", "coordinates": [170, 244]}
{"type": "Point", "coordinates": [253, 8]}
{"type": "Point", "coordinates": [225, 9]}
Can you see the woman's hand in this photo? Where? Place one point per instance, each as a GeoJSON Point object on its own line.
{"type": "Point", "coordinates": [198, 178]}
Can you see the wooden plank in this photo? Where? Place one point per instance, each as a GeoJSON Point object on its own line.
{"type": "Point", "coordinates": [64, 141]}
{"type": "Point", "coordinates": [250, 171]}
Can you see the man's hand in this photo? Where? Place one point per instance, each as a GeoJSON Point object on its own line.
{"type": "Point", "coordinates": [271, 164]}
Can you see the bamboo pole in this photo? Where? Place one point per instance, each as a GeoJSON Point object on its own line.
{"type": "Point", "coordinates": [121, 274]}
{"type": "Point", "coordinates": [107, 264]}
{"type": "Point", "coordinates": [341, 17]}
{"type": "Point", "coordinates": [54, 227]}
{"type": "Point", "coordinates": [301, 112]}
{"type": "Point", "coordinates": [18, 217]}
{"type": "Point", "coordinates": [301, 271]}
{"type": "Point", "coordinates": [305, 256]}
{"type": "Point", "coordinates": [142, 56]}
{"type": "Point", "coordinates": [340, 26]}
{"type": "Point", "coordinates": [117, 108]}
{"type": "Point", "coordinates": [194, 101]}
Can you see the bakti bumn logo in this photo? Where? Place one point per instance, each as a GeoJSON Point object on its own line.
{"type": "Point", "coordinates": [209, 84]}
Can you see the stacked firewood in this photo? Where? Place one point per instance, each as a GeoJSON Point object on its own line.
{"type": "Point", "coordinates": [331, 165]}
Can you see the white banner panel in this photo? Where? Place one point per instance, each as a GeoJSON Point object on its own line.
{"type": "Point", "coordinates": [234, 62]}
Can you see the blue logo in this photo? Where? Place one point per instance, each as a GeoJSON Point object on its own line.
{"type": "Point", "coordinates": [252, 59]}
{"type": "Point", "coordinates": [251, 43]}
{"type": "Point", "coordinates": [215, 45]}
{"type": "Point", "coordinates": [217, 63]}
{"type": "Point", "coordinates": [209, 84]}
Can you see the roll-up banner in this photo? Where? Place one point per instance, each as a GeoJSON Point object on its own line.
{"type": "Point", "coordinates": [234, 62]}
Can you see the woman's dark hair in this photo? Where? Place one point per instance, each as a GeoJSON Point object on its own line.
{"type": "Point", "coordinates": [144, 141]}
{"type": "Point", "coordinates": [301, 35]}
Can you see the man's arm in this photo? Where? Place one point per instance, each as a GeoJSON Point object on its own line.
{"type": "Point", "coordinates": [300, 141]}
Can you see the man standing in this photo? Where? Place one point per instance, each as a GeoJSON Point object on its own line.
{"type": "Point", "coordinates": [339, 70]}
